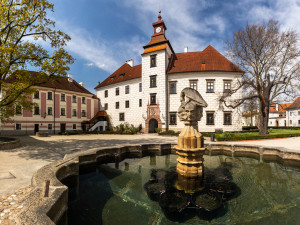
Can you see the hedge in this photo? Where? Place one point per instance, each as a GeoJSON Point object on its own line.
{"type": "Point", "coordinates": [237, 137]}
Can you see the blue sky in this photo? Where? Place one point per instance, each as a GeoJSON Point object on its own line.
{"type": "Point", "coordinates": [106, 33]}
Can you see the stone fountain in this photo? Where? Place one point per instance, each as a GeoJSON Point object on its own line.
{"type": "Point", "coordinates": [190, 148]}
{"type": "Point", "coordinates": [188, 186]}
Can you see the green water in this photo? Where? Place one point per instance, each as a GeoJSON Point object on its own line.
{"type": "Point", "coordinates": [114, 194]}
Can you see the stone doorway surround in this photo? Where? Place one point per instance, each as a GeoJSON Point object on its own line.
{"type": "Point", "coordinates": [153, 112]}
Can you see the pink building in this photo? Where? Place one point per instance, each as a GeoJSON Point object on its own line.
{"type": "Point", "coordinates": [62, 105]}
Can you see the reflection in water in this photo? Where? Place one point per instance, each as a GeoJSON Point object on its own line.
{"type": "Point", "coordinates": [255, 193]}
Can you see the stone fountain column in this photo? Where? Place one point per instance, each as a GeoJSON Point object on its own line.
{"type": "Point", "coordinates": [190, 147]}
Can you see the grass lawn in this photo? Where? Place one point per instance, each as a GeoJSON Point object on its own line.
{"type": "Point", "coordinates": [273, 133]}
{"type": "Point", "coordinates": [5, 139]}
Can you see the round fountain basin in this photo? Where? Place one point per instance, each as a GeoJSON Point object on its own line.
{"type": "Point", "coordinates": [114, 193]}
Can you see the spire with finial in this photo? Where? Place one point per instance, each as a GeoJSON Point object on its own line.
{"type": "Point", "coordinates": [159, 16]}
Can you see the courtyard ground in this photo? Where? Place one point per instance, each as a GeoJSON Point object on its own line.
{"type": "Point", "coordinates": [18, 165]}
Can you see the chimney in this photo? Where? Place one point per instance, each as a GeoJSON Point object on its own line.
{"type": "Point", "coordinates": [186, 49]}
{"type": "Point", "coordinates": [130, 62]}
{"type": "Point", "coordinates": [276, 107]}
{"type": "Point", "coordinates": [81, 84]}
{"type": "Point", "coordinates": [70, 77]}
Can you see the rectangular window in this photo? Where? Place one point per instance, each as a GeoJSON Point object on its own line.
{"type": "Point", "coordinates": [74, 100]}
{"type": "Point", "coordinates": [172, 86]}
{"type": "Point", "coordinates": [127, 89]}
{"type": "Point", "coordinates": [36, 110]}
{"type": "Point", "coordinates": [74, 112]}
{"type": "Point", "coordinates": [227, 118]}
{"type": "Point", "coordinates": [62, 97]}
{"type": "Point", "coordinates": [83, 113]}
{"type": "Point", "coordinates": [62, 111]}
{"type": "Point", "coordinates": [153, 99]}
{"type": "Point", "coordinates": [227, 85]}
{"type": "Point", "coordinates": [140, 102]}
{"type": "Point", "coordinates": [291, 122]}
{"type": "Point", "coordinates": [153, 81]}
{"type": "Point", "coordinates": [83, 100]}
{"type": "Point", "coordinates": [74, 126]}
{"type": "Point", "coordinates": [152, 60]}
{"type": "Point", "coordinates": [117, 91]}
{"type": "Point", "coordinates": [127, 104]}
{"type": "Point", "coordinates": [49, 110]}
{"type": "Point", "coordinates": [36, 94]}
{"type": "Point", "coordinates": [299, 122]}
{"type": "Point", "coordinates": [140, 87]}
{"type": "Point", "coordinates": [106, 93]}
{"type": "Point", "coordinates": [18, 126]}
{"type": "Point", "coordinates": [193, 84]}
{"type": "Point", "coordinates": [49, 95]}
{"type": "Point", "coordinates": [210, 120]}
{"type": "Point", "coordinates": [117, 105]}
{"type": "Point", "coordinates": [291, 113]}
{"type": "Point", "coordinates": [18, 110]}
{"type": "Point", "coordinates": [210, 86]}
{"type": "Point", "coordinates": [173, 118]}
{"type": "Point", "coordinates": [106, 106]}
{"type": "Point", "coordinates": [121, 117]}
{"type": "Point", "coordinates": [298, 113]}
{"type": "Point", "coordinates": [49, 126]}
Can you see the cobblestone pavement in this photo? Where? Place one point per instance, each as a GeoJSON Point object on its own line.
{"type": "Point", "coordinates": [12, 203]}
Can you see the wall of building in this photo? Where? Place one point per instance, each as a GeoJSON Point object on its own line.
{"type": "Point", "coordinates": [28, 119]}
{"type": "Point", "coordinates": [133, 114]}
{"type": "Point", "coordinates": [161, 79]}
{"type": "Point", "coordinates": [293, 117]}
{"type": "Point", "coordinates": [212, 99]}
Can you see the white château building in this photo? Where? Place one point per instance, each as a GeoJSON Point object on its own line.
{"type": "Point", "coordinates": [148, 93]}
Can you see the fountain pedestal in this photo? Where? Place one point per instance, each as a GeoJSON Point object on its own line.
{"type": "Point", "coordinates": [190, 150]}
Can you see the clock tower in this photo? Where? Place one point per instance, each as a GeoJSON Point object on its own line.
{"type": "Point", "coordinates": [159, 26]}
{"type": "Point", "coordinates": [158, 53]}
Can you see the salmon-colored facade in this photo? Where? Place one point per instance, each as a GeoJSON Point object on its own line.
{"type": "Point", "coordinates": [67, 106]}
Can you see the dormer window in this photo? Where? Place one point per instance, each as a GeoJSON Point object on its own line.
{"type": "Point", "coordinates": [152, 60]}
{"type": "Point", "coordinates": [122, 75]}
{"type": "Point", "coordinates": [112, 78]}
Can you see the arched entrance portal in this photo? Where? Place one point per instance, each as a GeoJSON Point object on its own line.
{"type": "Point", "coordinates": [153, 124]}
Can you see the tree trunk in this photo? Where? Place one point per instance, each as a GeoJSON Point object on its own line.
{"type": "Point", "coordinates": [263, 118]}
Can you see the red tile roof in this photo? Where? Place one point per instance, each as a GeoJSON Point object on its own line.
{"type": "Point", "coordinates": [98, 114]}
{"type": "Point", "coordinates": [158, 39]}
{"type": "Point", "coordinates": [207, 60]}
{"type": "Point", "coordinates": [281, 108]}
{"type": "Point", "coordinates": [295, 104]}
{"type": "Point", "coordinates": [183, 62]}
{"type": "Point", "coordinates": [125, 72]}
{"type": "Point", "coordinates": [58, 83]}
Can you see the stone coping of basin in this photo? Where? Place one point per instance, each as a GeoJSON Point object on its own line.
{"type": "Point", "coordinates": [48, 198]}
{"type": "Point", "coordinates": [10, 144]}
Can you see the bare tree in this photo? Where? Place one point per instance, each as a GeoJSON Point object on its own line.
{"type": "Point", "coordinates": [270, 59]}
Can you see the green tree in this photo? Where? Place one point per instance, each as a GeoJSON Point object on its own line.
{"type": "Point", "coordinates": [24, 28]}
{"type": "Point", "coordinates": [271, 61]}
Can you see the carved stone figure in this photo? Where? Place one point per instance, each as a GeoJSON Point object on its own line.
{"type": "Point", "coordinates": [191, 108]}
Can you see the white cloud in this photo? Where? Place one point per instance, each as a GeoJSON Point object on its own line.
{"type": "Point", "coordinates": [104, 54]}
{"type": "Point", "coordinates": [183, 20]}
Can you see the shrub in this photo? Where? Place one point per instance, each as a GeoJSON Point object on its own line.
{"type": "Point", "coordinates": [219, 131]}
{"type": "Point", "coordinates": [169, 132]}
{"type": "Point", "coordinates": [242, 136]}
{"type": "Point", "coordinates": [158, 130]}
